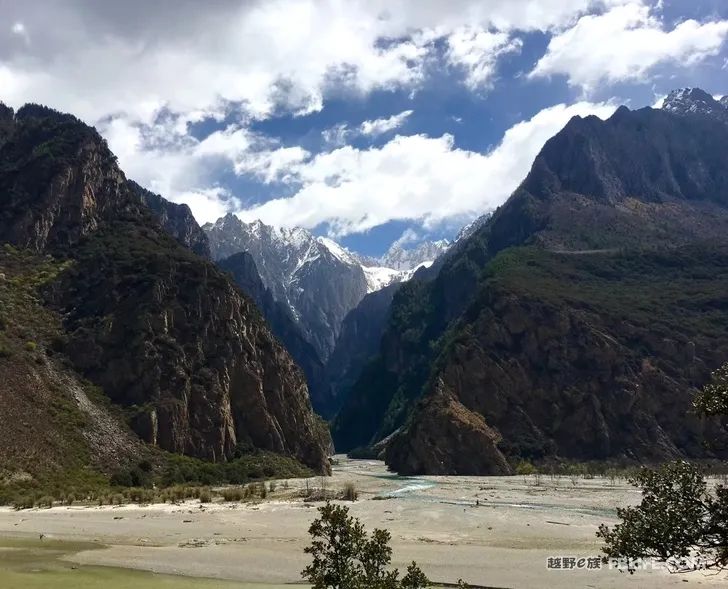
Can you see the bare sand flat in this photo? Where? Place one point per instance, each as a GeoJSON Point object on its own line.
{"type": "Point", "coordinates": [490, 531]}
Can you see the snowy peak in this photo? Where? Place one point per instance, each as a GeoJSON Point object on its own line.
{"type": "Point", "coordinates": [690, 101]}
{"type": "Point", "coordinates": [399, 258]}
{"type": "Point", "coordinates": [339, 252]}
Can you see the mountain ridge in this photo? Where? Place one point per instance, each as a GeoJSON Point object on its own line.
{"type": "Point", "coordinates": [162, 331]}
{"type": "Point", "coordinates": [640, 180]}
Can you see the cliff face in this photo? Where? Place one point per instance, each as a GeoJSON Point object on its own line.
{"type": "Point", "coordinates": [160, 329]}
{"type": "Point", "coordinates": [358, 342]}
{"type": "Point", "coordinates": [588, 343]}
{"type": "Point", "coordinates": [242, 268]}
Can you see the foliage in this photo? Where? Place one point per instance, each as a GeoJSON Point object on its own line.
{"type": "Point", "coordinates": [678, 521]}
{"type": "Point", "coordinates": [713, 398]}
{"type": "Point", "coordinates": [346, 557]}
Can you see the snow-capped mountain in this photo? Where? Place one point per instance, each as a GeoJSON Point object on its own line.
{"type": "Point", "coordinates": [319, 280]}
{"type": "Point", "coordinates": [687, 101]}
{"type": "Point", "coordinates": [400, 258]}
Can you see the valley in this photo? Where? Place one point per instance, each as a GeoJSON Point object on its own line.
{"type": "Point", "coordinates": [490, 531]}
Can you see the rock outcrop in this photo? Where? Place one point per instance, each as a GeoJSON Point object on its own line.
{"type": "Point", "coordinates": [319, 285]}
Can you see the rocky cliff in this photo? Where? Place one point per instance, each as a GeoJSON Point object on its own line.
{"type": "Point", "coordinates": [358, 341]}
{"type": "Point", "coordinates": [589, 342]}
{"type": "Point", "coordinates": [242, 268]}
{"type": "Point", "coordinates": [164, 332]}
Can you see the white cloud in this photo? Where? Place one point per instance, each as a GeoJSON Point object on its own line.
{"type": "Point", "coordinates": [413, 178]}
{"type": "Point", "coordinates": [381, 126]}
{"type": "Point", "coordinates": [624, 44]}
{"type": "Point", "coordinates": [478, 51]}
{"type": "Point", "coordinates": [144, 71]}
{"type": "Point", "coordinates": [164, 159]}
{"type": "Point", "coordinates": [133, 58]}
{"type": "Point", "coordinates": [408, 236]}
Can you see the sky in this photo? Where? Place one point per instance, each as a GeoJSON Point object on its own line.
{"type": "Point", "coordinates": [367, 121]}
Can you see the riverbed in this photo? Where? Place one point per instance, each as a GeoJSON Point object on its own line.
{"type": "Point", "coordinates": [489, 531]}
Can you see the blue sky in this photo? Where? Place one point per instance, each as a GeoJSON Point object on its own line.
{"type": "Point", "coordinates": [359, 120]}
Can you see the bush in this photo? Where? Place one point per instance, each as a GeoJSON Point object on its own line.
{"type": "Point", "coordinates": [349, 492]}
{"type": "Point", "coordinates": [525, 468]}
{"type": "Point", "coordinates": [45, 501]}
{"type": "Point", "coordinates": [30, 346]}
{"type": "Point", "coordinates": [205, 496]}
{"type": "Point", "coordinates": [345, 556]}
{"type": "Point", "coordinates": [233, 494]}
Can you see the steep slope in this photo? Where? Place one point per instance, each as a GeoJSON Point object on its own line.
{"type": "Point", "coordinates": [318, 285]}
{"type": "Point", "coordinates": [242, 268]}
{"type": "Point", "coordinates": [358, 341]}
{"type": "Point", "coordinates": [579, 356]}
{"type": "Point", "coordinates": [162, 331]}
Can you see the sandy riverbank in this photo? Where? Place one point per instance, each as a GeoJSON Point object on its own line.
{"type": "Point", "coordinates": [496, 531]}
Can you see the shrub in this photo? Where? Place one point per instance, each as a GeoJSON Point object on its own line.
{"type": "Point", "coordinates": [205, 496]}
{"type": "Point", "coordinates": [45, 501]}
{"type": "Point", "coordinates": [525, 468]}
{"type": "Point", "coordinates": [349, 492]}
{"type": "Point", "coordinates": [233, 494]}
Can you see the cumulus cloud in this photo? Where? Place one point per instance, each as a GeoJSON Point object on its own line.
{"type": "Point", "coordinates": [624, 44]}
{"type": "Point", "coordinates": [408, 236]}
{"type": "Point", "coordinates": [143, 72]}
{"type": "Point", "coordinates": [415, 177]}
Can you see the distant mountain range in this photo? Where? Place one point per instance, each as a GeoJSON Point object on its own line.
{"type": "Point", "coordinates": [317, 279]}
{"type": "Point", "coordinates": [573, 323]}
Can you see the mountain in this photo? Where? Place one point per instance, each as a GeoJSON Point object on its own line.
{"type": "Point", "coordinates": [316, 278]}
{"type": "Point", "coordinates": [116, 306]}
{"type": "Point", "coordinates": [358, 341]}
{"type": "Point", "coordinates": [241, 267]}
{"type": "Point", "coordinates": [578, 320]}
{"type": "Point", "coordinates": [399, 258]}
{"type": "Point", "coordinates": [318, 285]}
{"type": "Point", "coordinates": [176, 219]}
{"type": "Point", "coordinates": [686, 101]}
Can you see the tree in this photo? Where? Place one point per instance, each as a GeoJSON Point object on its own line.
{"type": "Point", "coordinates": [345, 557]}
{"type": "Point", "coordinates": [680, 520]}
{"type": "Point", "coordinates": [713, 399]}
